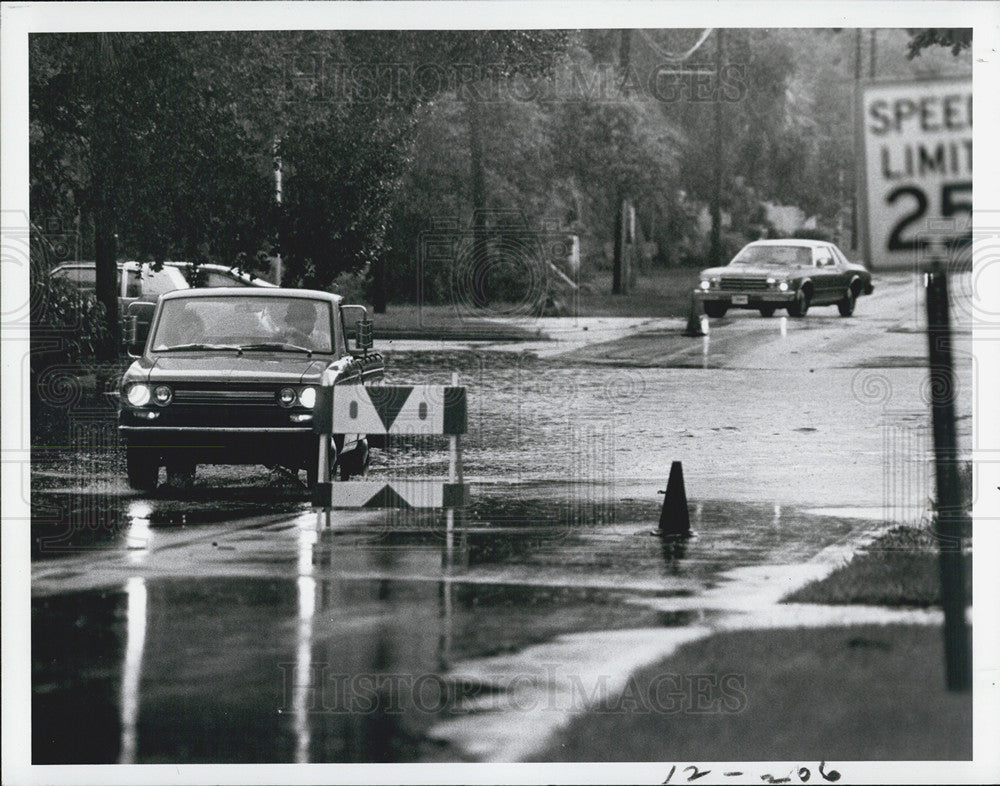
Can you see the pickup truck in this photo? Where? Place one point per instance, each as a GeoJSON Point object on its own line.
{"type": "Point", "coordinates": [230, 376]}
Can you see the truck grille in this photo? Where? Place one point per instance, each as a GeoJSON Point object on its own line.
{"type": "Point", "coordinates": [743, 283]}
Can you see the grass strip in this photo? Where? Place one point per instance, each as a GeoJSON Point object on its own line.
{"type": "Point", "coordinates": [866, 692]}
{"type": "Point", "coordinates": [899, 568]}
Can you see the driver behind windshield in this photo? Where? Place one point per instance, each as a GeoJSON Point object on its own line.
{"type": "Point", "coordinates": [300, 325]}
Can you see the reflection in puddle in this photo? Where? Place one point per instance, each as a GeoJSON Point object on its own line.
{"type": "Point", "coordinates": [135, 642]}
{"type": "Point", "coordinates": [310, 669]}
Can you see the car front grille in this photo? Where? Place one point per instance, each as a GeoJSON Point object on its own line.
{"type": "Point", "coordinates": [742, 284]}
{"type": "Point", "coordinates": [226, 398]}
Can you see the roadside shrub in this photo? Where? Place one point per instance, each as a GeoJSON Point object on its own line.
{"type": "Point", "coordinates": [67, 325]}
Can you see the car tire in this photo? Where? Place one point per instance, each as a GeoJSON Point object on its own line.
{"type": "Point", "coordinates": [801, 305]}
{"type": "Point", "coordinates": [767, 311]}
{"type": "Point", "coordinates": [354, 463]}
{"type": "Point", "coordinates": [180, 474]}
{"type": "Point", "coordinates": [846, 305]}
{"type": "Point", "coordinates": [716, 310]}
{"type": "Point", "coordinates": [142, 468]}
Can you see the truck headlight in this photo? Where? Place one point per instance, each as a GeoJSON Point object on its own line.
{"type": "Point", "coordinates": [783, 286]}
{"type": "Point", "coordinates": [286, 397]}
{"type": "Point", "coordinates": [705, 284]}
{"type": "Point", "coordinates": [162, 395]}
{"type": "Point", "coordinates": [138, 395]}
{"type": "Point", "coordinates": [307, 398]}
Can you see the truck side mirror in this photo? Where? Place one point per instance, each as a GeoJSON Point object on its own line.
{"type": "Point", "coordinates": [363, 337]}
{"type": "Point", "coordinates": [139, 317]}
{"type": "Point", "coordinates": [363, 340]}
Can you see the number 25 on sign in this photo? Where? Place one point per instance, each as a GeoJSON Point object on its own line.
{"type": "Point", "coordinates": [917, 169]}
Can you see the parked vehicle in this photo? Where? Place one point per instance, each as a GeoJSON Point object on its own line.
{"type": "Point", "coordinates": [793, 274]}
{"type": "Point", "coordinates": [139, 286]}
{"type": "Point", "coordinates": [212, 275]}
{"type": "Point", "coordinates": [230, 376]}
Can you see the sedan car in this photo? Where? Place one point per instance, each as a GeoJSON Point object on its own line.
{"type": "Point", "coordinates": [230, 376]}
{"type": "Point", "coordinates": [792, 274]}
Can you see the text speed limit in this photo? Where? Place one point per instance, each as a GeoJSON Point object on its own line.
{"type": "Point", "coordinates": [917, 167]}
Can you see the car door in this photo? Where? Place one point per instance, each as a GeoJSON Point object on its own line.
{"type": "Point", "coordinates": [843, 264]}
{"type": "Point", "coordinates": [826, 288]}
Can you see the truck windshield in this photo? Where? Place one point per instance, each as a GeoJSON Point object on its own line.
{"type": "Point", "coordinates": [253, 323]}
{"type": "Point", "coordinates": [785, 256]}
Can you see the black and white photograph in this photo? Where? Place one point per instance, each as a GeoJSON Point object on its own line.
{"type": "Point", "coordinates": [500, 392]}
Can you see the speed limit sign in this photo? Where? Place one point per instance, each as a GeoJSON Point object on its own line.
{"type": "Point", "coordinates": [917, 169]}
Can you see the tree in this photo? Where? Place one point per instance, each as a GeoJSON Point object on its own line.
{"type": "Point", "coordinates": [957, 39]}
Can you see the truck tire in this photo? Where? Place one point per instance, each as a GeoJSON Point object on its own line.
{"type": "Point", "coordinates": [142, 467]}
{"type": "Point", "coordinates": [354, 463]}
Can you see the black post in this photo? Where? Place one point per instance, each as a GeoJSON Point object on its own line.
{"type": "Point", "coordinates": [951, 516]}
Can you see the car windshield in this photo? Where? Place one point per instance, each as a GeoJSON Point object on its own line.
{"type": "Point", "coordinates": [291, 324]}
{"type": "Point", "coordinates": [781, 256]}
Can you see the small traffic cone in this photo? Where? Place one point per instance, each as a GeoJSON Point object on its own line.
{"type": "Point", "coordinates": [693, 328]}
{"type": "Point", "coordinates": [674, 519]}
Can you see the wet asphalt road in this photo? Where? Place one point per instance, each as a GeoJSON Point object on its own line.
{"type": "Point", "coordinates": [220, 624]}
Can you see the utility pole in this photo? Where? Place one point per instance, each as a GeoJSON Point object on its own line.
{"type": "Point", "coordinates": [477, 178]}
{"type": "Point", "coordinates": [716, 251]}
{"type": "Point", "coordinates": [619, 276]}
{"type": "Point", "coordinates": [871, 54]}
{"type": "Point", "coordinates": [857, 138]}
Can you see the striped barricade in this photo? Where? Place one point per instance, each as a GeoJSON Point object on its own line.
{"type": "Point", "coordinates": [433, 410]}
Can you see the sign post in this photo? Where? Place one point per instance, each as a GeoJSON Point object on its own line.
{"type": "Point", "coordinates": [916, 172]}
{"type": "Point", "coordinates": [951, 514]}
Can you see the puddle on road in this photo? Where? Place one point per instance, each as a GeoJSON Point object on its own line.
{"type": "Point", "coordinates": [71, 522]}
{"type": "Point", "coordinates": [306, 669]}
{"type": "Point", "coordinates": [351, 644]}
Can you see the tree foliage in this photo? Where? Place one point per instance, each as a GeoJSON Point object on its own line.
{"type": "Point", "coordinates": [166, 142]}
{"type": "Point", "coordinates": [957, 39]}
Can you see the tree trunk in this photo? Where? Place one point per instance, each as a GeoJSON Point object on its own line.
{"type": "Point", "coordinates": [102, 148]}
{"type": "Point", "coordinates": [107, 282]}
{"type": "Point", "coordinates": [620, 272]}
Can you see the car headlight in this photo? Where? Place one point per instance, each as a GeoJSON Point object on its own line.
{"type": "Point", "coordinates": [783, 286]}
{"type": "Point", "coordinates": [705, 283]}
{"type": "Point", "coordinates": [307, 398]}
{"type": "Point", "coordinates": [138, 395]}
{"type": "Point", "coordinates": [286, 397]}
{"type": "Point", "coordinates": [162, 395]}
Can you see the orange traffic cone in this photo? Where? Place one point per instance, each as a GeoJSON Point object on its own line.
{"type": "Point", "coordinates": [674, 519]}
